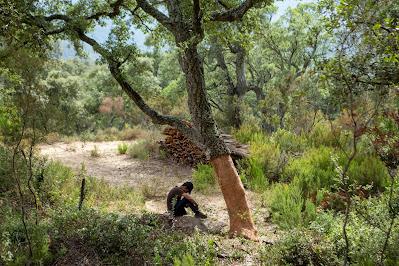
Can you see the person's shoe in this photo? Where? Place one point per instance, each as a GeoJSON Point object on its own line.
{"type": "Point", "coordinates": [200, 215]}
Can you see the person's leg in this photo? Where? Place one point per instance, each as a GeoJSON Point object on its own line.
{"type": "Point", "coordinates": [190, 205]}
{"type": "Point", "coordinates": [195, 209]}
{"type": "Point", "coordinates": [178, 209]}
{"type": "Point", "coordinates": [182, 204]}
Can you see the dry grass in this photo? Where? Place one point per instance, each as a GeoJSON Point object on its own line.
{"type": "Point", "coordinates": [95, 153]}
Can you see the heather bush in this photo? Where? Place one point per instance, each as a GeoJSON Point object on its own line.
{"type": "Point", "coordinates": [252, 175]}
{"type": "Point", "coordinates": [313, 171]}
{"type": "Point", "coordinates": [301, 247]}
{"type": "Point", "coordinates": [204, 177]}
{"type": "Point", "coordinates": [289, 142]}
{"type": "Point", "coordinates": [266, 155]}
{"type": "Point", "coordinates": [289, 208]}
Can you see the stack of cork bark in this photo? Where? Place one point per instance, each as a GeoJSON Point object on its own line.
{"type": "Point", "coordinates": [184, 151]}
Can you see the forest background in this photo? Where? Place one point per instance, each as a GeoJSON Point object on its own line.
{"type": "Point", "coordinates": [313, 92]}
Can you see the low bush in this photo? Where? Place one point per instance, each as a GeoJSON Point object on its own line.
{"type": "Point", "coordinates": [95, 153]}
{"type": "Point", "coordinates": [266, 154]}
{"type": "Point", "coordinates": [14, 248]}
{"type": "Point", "coordinates": [204, 177]}
{"type": "Point", "coordinates": [107, 134]}
{"type": "Point", "coordinates": [122, 148]}
{"type": "Point", "coordinates": [289, 142]}
{"type": "Point", "coordinates": [301, 248]}
{"type": "Point", "coordinates": [133, 133]}
{"type": "Point", "coordinates": [316, 170]}
{"type": "Point", "coordinates": [144, 148]}
{"type": "Point", "coordinates": [245, 133]}
{"type": "Point", "coordinates": [368, 223]}
{"type": "Point", "coordinates": [322, 135]}
{"type": "Point", "coordinates": [313, 171]}
{"type": "Point", "coordinates": [94, 237]}
{"type": "Point", "coordinates": [140, 149]}
{"type": "Point", "coordinates": [113, 134]}
{"type": "Point", "coordinates": [252, 176]}
{"type": "Point", "coordinates": [52, 138]}
{"type": "Point", "coordinates": [129, 240]}
{"type": "Point", "coordinates": [289, 208]}
{"type": "Point", "coordinates": [368, 170]}
{"type": "Point", "coordinates": [61, 187]}
{"type": "Point", "coordinates": [6, 181]}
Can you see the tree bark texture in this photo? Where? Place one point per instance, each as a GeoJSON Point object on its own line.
{"type": "Point", "coordinates": [241, 222]}
{"type": "Point", "coordinates": [200, 109]}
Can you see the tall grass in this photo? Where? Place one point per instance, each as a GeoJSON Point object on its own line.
{"type": "Point", "coordinates": [61, 187]}
{"type": "Point", "coordinates": [122, 148]}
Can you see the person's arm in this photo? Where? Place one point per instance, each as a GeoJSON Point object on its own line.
{"type": "Point", "coordinates": [188, 197]}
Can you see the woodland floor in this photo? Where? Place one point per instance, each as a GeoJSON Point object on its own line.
{"type": "Point", "coordinates": [155, 177]}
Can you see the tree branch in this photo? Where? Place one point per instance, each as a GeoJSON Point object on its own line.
{"type": "Point", "coordinates": [197, 16]}
{"type": "Point", "coordinates": [155, 13]}
{"type": "Point", "coordinates": [115, 11]}
{"type": "Point", "coordinates": [233, 14]}
{"type": "Point", "coordinates": [114, 67]}
{"type": "Point", "coordinates": [222, 64]}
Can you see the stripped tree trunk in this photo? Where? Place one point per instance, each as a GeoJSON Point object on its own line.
{"type": "Point", "coordinates": [241, 222]}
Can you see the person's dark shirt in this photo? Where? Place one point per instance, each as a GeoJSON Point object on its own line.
{"type": "Point", "coordinates": [174, 195]}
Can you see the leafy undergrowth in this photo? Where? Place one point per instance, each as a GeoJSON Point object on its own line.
{"type": "Point", "coordinates": [111, 228]}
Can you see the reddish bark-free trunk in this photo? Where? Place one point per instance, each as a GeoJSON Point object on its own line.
{"type": "Point", "coordinates": [241, 222]}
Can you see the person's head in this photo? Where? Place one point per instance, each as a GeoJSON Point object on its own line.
{"type": "Point", "coordinates": [187, 187]}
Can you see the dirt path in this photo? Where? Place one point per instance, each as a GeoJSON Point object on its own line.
{"type": "Point", "coordinates": [154, 177]}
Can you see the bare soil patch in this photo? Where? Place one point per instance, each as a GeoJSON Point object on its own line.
{"type": "Point", "coordinates": [113, 167]}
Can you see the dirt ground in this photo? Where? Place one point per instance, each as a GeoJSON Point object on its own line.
{"type": "Point", "coordinates": [155, 177]}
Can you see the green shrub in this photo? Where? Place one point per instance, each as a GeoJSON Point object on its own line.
{"type": "Point", "coordinates": [252, 175]}
{"type": "Point", "coordinates": [245, 133]}
{"type": "Point", "coordinates": [316, 170]}
{"type": "Point", "coordinates": [186, 260]}
{"type": "Point", "coordinates": [366, 227]}
{"type": "Point", "coordinates": [112, 198]}
{"type": "Point", "coordinates": [6, 180]}
{"type": "Point", "coordinates": [113, 134]}
{"type": "Point", "coordinates": [301, 248]}
{"type": "Point", "coordinates": [289, 142]}
{"type": "Point", "coordinates": [289, 209]}
{"type": "Point", "coordinates": [129, 240]}
{"type": "Point", "coordinates": [107, 134]}
{"type": "Point", "coordinates": [144, 148]}
{"type": "Point", "coordinates": [313, 171]}
{"type": "Point", "coordinates": [52, 137]}
{"type": "Point", "coordinates": [61, 187]}
{"type": "Point", "coordinates": [266, 155]}
{"type": "Point", "coordinates": [122, 148]}
{"type": "Point", "coordinates": [321, 135]}
{"type": "Point", "coordinates": [369, 170]}
{"type": "Point", "coordinates": [14, 248]}
{"type": "Point", "coordinates": [204, 177]}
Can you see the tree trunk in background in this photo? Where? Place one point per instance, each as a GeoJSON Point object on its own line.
{"type": "Point", "coordinates": [241, 222]}
{"type": "Point", "coordinates": [234, 112]}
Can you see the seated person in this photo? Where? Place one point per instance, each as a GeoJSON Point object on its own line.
{"type": "Point", "coordinates": [179, 198]}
